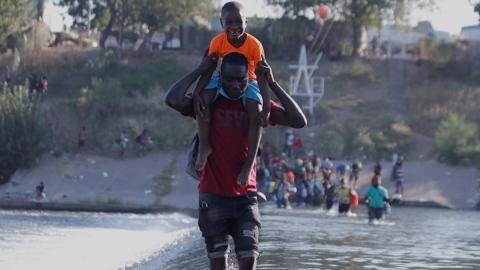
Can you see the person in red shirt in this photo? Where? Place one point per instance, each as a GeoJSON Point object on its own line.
{"type": "Point", "coordinates": [227, 206]}
{"type": "Point", "coordinates": [297, 146]}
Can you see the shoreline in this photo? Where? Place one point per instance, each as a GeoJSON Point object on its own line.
{"type": "Point", "coordinates": [95, 208]}
{"type": "Point", "coordinates": [142, 209]}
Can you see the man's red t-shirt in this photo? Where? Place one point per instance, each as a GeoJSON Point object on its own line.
{"type": "Point", "coordinates": [229, 142]}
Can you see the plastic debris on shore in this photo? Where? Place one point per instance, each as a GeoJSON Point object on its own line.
{"type": "Point", "coordinates": [105, 174]}
{"type": "Point", "coordinates": [147, 191]}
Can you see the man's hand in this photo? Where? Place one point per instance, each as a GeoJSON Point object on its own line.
{"type": "Point", "coordinates": [263, 69]}
{"type": "Point", "coordinates": [209, 63]}
{"type": "Point", "coordinates": [201, 109]}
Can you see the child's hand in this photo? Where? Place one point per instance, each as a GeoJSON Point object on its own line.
{"type": "Point", "coordinates": [201, 109]}
{"type": "Point", "coordinates": [244, 176]}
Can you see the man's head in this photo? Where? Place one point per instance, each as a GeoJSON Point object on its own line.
{"type": "Point", "coordinates": [376, 181]}
{"type": "Point", "coordinates": [234, 74]}
{"type": "Point", "coordinates": [233, 20]}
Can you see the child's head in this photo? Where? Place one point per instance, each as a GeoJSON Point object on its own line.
{"type": "Point", "coordinates": [233, 20]}
{"type": "Point", "coordinates": [234, 74]}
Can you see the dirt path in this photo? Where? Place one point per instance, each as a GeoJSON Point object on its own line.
{"type": "Point", "coordinates": [90, 179]}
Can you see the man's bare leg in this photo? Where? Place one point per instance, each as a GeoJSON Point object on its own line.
{"type": "Point", "coordinates": [218, 264]}
{"type": "Point", "coordinates": [247, 263]}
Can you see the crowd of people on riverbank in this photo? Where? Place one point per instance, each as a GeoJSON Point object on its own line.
{"type": "Point", "coordinates": [302, 178]}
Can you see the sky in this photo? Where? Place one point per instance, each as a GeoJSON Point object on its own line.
{"type": "Point", "coordinates": [449, 16]}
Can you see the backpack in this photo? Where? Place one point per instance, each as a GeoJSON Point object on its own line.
{"type": "Point", "coordinates": [192, 158]}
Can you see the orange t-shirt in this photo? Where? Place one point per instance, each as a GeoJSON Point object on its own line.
{"type": "Point", "coordinates": [252, 49]}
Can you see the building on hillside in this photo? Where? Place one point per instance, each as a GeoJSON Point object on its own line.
{"type": "Point", "coordinates": [471, 33]}
{"type": "Point", "coordinates": [402, 42]}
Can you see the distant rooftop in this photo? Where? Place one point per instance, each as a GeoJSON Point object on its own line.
{"type": "Point", "coordinates": [469, 27]}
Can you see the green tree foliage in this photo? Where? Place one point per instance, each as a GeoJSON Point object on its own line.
{"type": "Point", "coordinates": [456, 139]}
{"type": "Point", "coordinates": [106, 15]}
{"type": "Point", "coordinates": [23, 133]}
{"type": "Point", "coordinates": [11, 15]}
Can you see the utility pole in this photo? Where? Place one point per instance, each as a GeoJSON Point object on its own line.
{"type": "Point", "coordinates": [122, 25]}
{"type": "Point", "coordinates": [90, 3]}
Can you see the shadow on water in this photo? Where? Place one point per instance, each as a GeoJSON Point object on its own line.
{"type": "Point", "coordinates": [411, 238]}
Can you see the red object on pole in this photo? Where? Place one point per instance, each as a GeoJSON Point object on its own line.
{"type": "Point", "coordinates": [323, 11]}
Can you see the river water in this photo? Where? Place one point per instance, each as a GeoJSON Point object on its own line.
{"type": "Point", "coordinates": [410, 238]}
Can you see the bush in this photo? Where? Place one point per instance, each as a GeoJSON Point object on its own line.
{"type": "Point", "coordinates": [456, 139]}
{"type": "Point", "coordinates": [329, 142]}
{"type": "Point", "coordinates": [322, 114]}
{"type": "Point", "coordinates": [23, 133]}
{"type": "Point", "coordinates": [361, 141]}
{"type": "Point", "coordinates": [357, 71]}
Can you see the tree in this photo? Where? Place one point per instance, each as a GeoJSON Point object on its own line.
{"type": "Point", "coordinates": [477, 9]}
{"type": "Point", "coordinates": [160, 14]}
{"type": "Point", "coordinates": [23, 131]}
{"type": "Point", "coordinates": [357, 13]}
{"type": "Point", "coordinates": [456, 138]}
{"type": "Point", "coordinates": [107, 15]}
{"type": "Point", "coordinates": [40, 9]}
{"type": "Point", "coordinates": [11, 16]}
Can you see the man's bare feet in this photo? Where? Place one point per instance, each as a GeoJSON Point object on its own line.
{"type": "Point", "coordinates": [203, 153]}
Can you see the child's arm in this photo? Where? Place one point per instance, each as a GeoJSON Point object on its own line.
{"type": "Point", "coordinates": [254, 134]}
{"type": "Point", "coordinates": [176, 95]}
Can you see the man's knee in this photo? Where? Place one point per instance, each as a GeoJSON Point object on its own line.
{"type": "Point", "coordinates": [246, 242]}
{"type": "Point", "coordinates": [217, 247]}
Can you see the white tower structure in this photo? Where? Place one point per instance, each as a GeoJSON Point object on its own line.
{"type": "Point", "coordinates": [307, 89]}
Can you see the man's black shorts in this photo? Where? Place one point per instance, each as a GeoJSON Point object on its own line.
{"type": "Point", "coordinates": [238, 217]}
{"type": "Point", "coordinates": [375, 213]}
{"type": "Point", "coordinates": [343, 208]}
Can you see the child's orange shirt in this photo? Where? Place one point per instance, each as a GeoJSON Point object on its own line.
{"type": "Point", "coordinates": [252, 49]}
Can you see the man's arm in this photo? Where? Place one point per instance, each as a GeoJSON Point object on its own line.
{"type": "Point", "coordinates": [176, 95]}
{"type": "Point", "coordinates": [291, 114]}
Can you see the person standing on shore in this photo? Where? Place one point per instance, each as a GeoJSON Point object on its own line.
{"type": "Point", "coordinates": [398, 175]}
{"type": "Point", "coordinates": [82, 138]}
